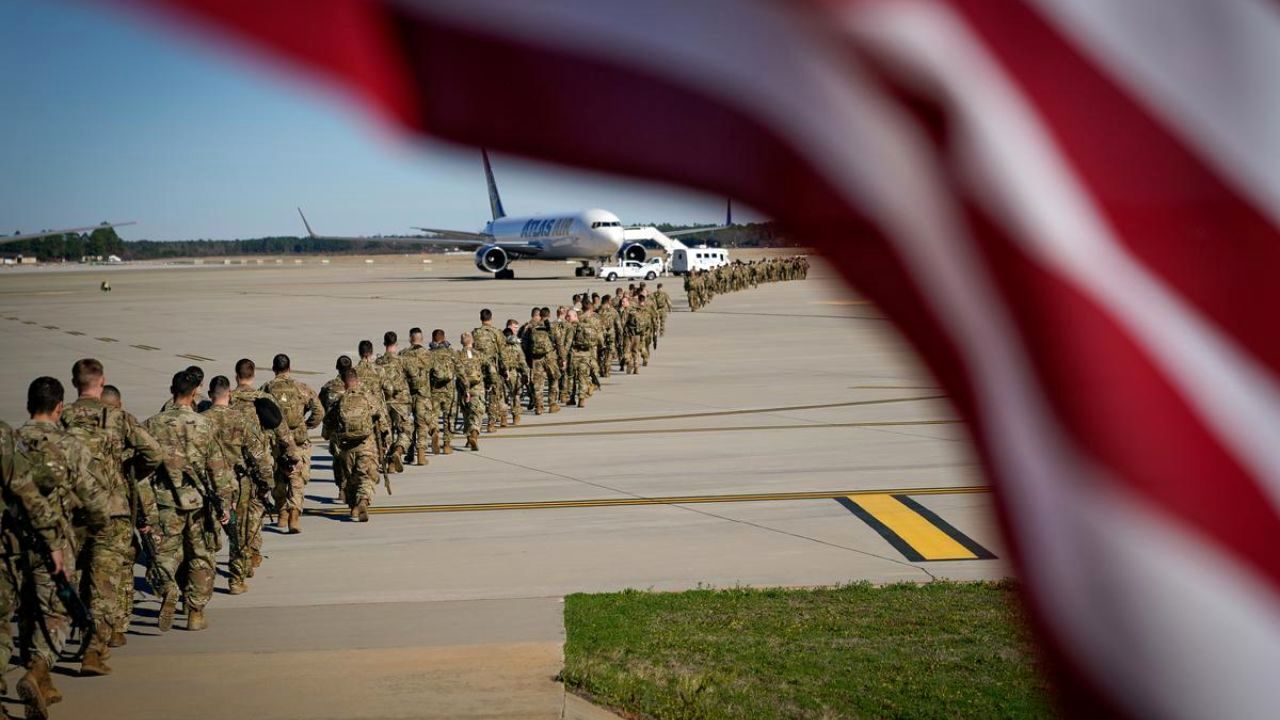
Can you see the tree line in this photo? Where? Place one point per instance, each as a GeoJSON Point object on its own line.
{"type": "Point", "coordinates": [104, 241]}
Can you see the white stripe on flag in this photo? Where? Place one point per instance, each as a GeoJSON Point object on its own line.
{"type": "Point", "coordinates": [1207, 68]}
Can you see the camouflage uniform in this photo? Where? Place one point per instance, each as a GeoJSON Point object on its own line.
{"type": "Point", "coordinates": [425, 419]}
{"type": "Point", "coordinates": [189, 537]}
{"type": "Point", "coordinates": [302, 412]}
{"type": "Point", "coordinates": [442, 367]}
{"type": "Point", "coordinates": [543, 367]}
{"type": "Point", "coordinates": [488, 342]}
{"type": "Point", "coordinates": [560, 331]}
{"type": "Point", "coordinates": [399, 412]}
{"type": "Point", "coordinates": [583, 345]}
{"type": "Point", "coordinates": [108, 433]}
{"type": "Point", "coordinates": [471, 380]}
{"type": "Point", "coordinates": [330, 393]}
{"type": "Point", "coordinates": [515, 373]}
{"type": "Point", "coordinates": [663, 302]}
{"type": "Point", "coordinates": [350, 426]}
{"type": "Point", "coordinates": [261, 449]}
{"type": "Point", "coordinates": [374, 383]}
{"type": "Point", "coordinates": [609, 322]}
{"type": "Point", "coordinates": [25, 505]}
{"type": "Point", "coordinates": [637, 321]}
{"type": "Point", "coordinates": [77, 493]}
{"type": "Point", "coordinates": [232, 428]}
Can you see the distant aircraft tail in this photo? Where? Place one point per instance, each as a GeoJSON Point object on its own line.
{"type": "Point", "coordinates": [495, 200]}
{"type": "Point", "coordinates": [306, 224]}
{"type": "Point", "coordinates": [728, 212]}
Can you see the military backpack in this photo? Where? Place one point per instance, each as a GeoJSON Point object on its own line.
{"type": "Point", "coordinates": [355, 421]}
{"type": "Point", "coordinates": [293, 406]}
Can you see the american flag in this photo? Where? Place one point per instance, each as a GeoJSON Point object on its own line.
{"type": "Point", "coordinates": [1069, 206]}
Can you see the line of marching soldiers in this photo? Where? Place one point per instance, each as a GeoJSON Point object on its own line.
{"type": "Point", "coordinates": [702, 285]}
{"type": "Point", "coordinates": [379, 414]}
{"type": "Point", "coordinates": [90, 490]}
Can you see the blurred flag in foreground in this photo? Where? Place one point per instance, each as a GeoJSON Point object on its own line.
{"type": "Point", "coordinates": [1069, 206]}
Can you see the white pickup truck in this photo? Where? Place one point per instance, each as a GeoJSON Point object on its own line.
{"type": "Point", "coordinates": [632, 270]}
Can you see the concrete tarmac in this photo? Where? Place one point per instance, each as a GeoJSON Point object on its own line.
{"type": "Point", "coordinates": [794, 386]}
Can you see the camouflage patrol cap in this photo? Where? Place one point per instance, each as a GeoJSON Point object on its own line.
{"type": "Point", "coordinates": [269, 415]}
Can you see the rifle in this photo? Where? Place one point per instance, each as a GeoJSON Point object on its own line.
{"type": "Point", "coordinates": [67, 593]}
{"type": "Point", "coordinates": [157, 576]}
{"type": "Point", "coordinates": [261, 485]}
{"type": "Point", "coordinates": [214, 510]}
{"type": "Point", "coordinates": [382, 459]}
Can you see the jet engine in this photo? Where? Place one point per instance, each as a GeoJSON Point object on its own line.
{"type": "Point", "coordinates": [633, 251]}
{"type": "Point", "coordinates": [491, 258]}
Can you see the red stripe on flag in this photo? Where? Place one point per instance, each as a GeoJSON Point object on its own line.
{"type": "Point", "coordinates": [1166, 204]}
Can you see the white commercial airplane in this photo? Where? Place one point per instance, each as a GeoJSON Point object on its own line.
{"type": "Point", "coordinates": [47, 233]}
{"type": "Point", "coordinates": [585, 235]}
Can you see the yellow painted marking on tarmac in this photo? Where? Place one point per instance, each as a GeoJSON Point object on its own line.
{"type": "Point", "coordinates": [923, 536]}
{"type": "Point", "coordinates": [662, 500]}
{"type": "Point", "coordinates": [191, 356]}
{"type": "Point", "coordinates": [306, 372]}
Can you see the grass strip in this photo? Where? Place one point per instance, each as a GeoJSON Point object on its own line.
{"type": "Point", "coordinates": [937, 650]}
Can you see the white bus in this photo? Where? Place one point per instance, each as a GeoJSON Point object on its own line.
{"type": "Point", "coordinates": [686, 260]}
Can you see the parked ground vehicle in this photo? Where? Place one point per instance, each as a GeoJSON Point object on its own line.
{"type": "Point", "coordinates": [633, 270]}
{"type": "Point", "coordinates": [687, 260]}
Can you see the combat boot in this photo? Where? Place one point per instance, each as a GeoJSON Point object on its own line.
{"type": "Point", "coordinates": [395, 464]}
{"type": "Point", "coordinates": [515, 419]}
{"type": "Point", "coordinates": [555, 407]}
{"type": "Point", "coordinates": [31, 689]}
{"type": "Point", "coordinates": [435, 443]}
{"type": "Point", "coordinates": [473, 440]}
{"type": "Point", "coordinates": [195, 620]}
{"type": "Point", "coordinates": [237, 587]}
{"type": "Point", "coordinates": [93, 664]}
{"type": "Point", "coordinates": [294, 517]}
{"type": "Point", "coordinates": [362, 511]}
{"type": "Point", "coordinates": [118, 639]}
{"type": "Point", "coordinates": [282, 518]}
{"type": "Point", "coordinates": [422, 455]}
{"type": "Point", "coordinates": [257, 559]}
{"type": "Point", "coordinates": [582, 401]}
{"type": "Point", "coordinates": [52, 695]}
{"type": "Point", "coordinates": [168, 607]}
{"type": "Point", "coordinates": [448, 447]}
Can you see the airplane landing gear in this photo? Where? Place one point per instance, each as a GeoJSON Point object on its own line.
{"type": "Point", "coordinates": [585, 271]}
{"type": "Point", "coordinates": [505, 274]}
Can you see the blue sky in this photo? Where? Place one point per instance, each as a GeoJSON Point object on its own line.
{"type": "Point", "coordinates": [110, 117]}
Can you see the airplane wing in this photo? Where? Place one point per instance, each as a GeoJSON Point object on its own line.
{"type": "Point", "coordinates": [439, 238]}
{"type": "Point", "coordinates": [458, 234]}
{"type": "Point", "coordinates": [47, 233]}
{"type": "Point", "coordinates": [691, 231]}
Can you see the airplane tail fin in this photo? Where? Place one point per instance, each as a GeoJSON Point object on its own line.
{"type": "Point", "coordinates": [728, 212]}
{"type": "Point", "coordinates": [495, 200]}
{"type": "Point", "coordinates": [307, 225]}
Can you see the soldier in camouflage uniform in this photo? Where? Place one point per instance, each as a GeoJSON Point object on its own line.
{"type": "Point", "coordinates": [635, 321]}
{"type": "Point", "coordinates": [330, 393]}
{"type": "Point", "coordinates": [65, 474]}
{"type": "Point", "coordinates": [374, 384]}
{"type": "Point", "coordinates": [350, 425]}
{"type": "Point", "coordinates": [232, 428]}
{"type": "Point", "coordinates": [560, 331]}
{"type": "Point", "coordinates": [198, 372]}
{"type": "Point", "coordinates": [108, 433]}
{"type": "Point", "coordinates": [442, 369]}
{"type": "Point", "coordinates": [489, 342]}
{"type": "Point", "coordinates": [425, 418]}
{"type": "Point", "coordinates": [470, 365]}
{"type": "Point", "coordinates": [193, 483]}
{"type": "Point", "coordinates": [399, 412]}
{"type": "Point", "coordinates": [302, 412]}
{"type": "Point", "coordinates": [515, 371]}
{"type": "Point", "coordinates": [583, 345]}
{"type": "Point", "coordinates": [25, 507]}
{"type": "Point", "coordinates": [540, 346]}
{"type": "Point", "coordinates": [611, 326]}
{"type": "Point", "coordinates": [663, 301]}
{"type": "Point", "coordinates": [262, 446]}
